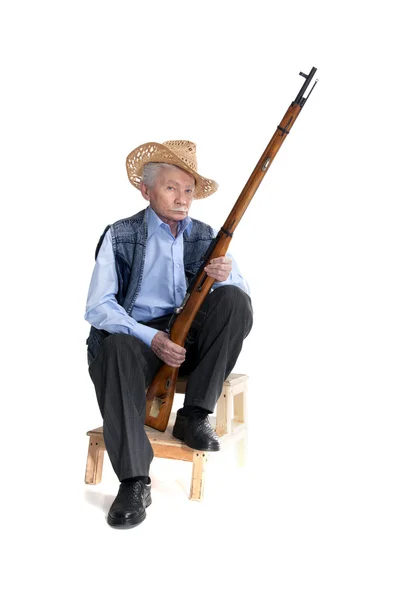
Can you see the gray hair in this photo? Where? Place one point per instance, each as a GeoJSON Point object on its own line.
{"type": "Point", "coordinates": [151, 170]}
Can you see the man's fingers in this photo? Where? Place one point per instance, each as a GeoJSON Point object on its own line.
{"type": "Point", "coordinates": [173, 360]}
{"type": "Point", "coordinates": [219, 274]}
{"type": "Point", "coordinates": [221, 260]}
{"type": "Point", "coordinates": [169, 352]}
{"type": "Point", "coordinates": [219, 268]}
{"type": "Point", "coordinates": [170, 359]}
{"type": "Point", "coordinates": [171, 363]}
{"type": "Point", "coordinates": [176, 350]}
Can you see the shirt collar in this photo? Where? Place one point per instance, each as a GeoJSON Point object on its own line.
{"type": "Point", "coordinates": [154, 222]}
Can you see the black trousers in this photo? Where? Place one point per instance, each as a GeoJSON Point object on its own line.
{"type": "Point", "coordinates": [125, 366]}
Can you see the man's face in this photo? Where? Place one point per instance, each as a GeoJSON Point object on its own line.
{"type": "Point", "coordinates": [171, 195]}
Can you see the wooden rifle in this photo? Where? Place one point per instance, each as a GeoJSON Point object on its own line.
{"type": "Point", "coordinates": [160, 394]}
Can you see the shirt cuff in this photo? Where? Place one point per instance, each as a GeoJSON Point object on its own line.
{"type": "Point", "coordinates": [145, 333]}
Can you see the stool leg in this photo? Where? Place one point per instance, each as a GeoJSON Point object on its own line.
{"type": "Point", "coordinates": [198, 475]}
{"type": "Point", "coordinates": [224, 411]}
{"type": "Point", "coordinates": [94, 463]}
{"type": "Point", "coordinates": [240, 410]}
{"type": "Point", "coordinates": [241, 450]}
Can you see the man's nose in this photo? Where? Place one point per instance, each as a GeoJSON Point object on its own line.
{"type": "Point", "coordinates": [180, 197]}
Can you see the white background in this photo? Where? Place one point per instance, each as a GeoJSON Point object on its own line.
{"type": "Point", "coordinates": [315, 515]}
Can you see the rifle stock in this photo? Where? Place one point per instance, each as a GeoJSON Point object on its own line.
{"type": "Point", "coordinates": [160, 394]}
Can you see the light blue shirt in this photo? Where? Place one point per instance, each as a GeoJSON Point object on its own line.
{"type": "Point", "coordinates": [163, 285]}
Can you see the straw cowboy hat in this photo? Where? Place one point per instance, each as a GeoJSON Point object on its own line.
{"type": "Point", "coordinates": [180, 153]}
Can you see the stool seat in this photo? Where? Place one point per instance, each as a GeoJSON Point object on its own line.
{"type": "Point", "coordinates": [229, 423]}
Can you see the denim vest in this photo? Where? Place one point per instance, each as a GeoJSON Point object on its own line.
{"type": "Point", "coordinates": [129, 237]}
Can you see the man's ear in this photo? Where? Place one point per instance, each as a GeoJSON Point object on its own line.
{"type": "Point", "coordinates": [145, 191]}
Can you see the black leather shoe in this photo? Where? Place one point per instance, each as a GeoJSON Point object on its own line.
{"type": "Point", "coordinates": [129, 507]}
{"type": "Point", "coordinates": [196, 431]}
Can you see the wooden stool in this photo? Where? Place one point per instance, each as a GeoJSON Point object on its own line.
{"type": "Point", "coordinates": [230, 425]}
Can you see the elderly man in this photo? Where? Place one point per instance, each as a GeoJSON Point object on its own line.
{"type": "Point", "coordinates": [144, 264]}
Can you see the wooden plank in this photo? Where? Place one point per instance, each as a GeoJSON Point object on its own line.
{"type": "Point", "coordinates": [95, 432]}
{"type": "Point", "coordinates": [178, 453]}
{"type": "Point", "coordinates": [166, 438]}
{"type": "Point", "coordinates": [236, 379]}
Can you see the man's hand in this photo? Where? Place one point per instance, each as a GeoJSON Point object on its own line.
{"type": "Point", "coordinates": [219, 268]}
{"type": "Point", "coordinates": [172, 354]}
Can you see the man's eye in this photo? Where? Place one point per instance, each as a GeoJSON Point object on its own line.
{"type": "Point", "coordinates": [170, 188]}
{"type": "Point", "coordinates": [189, 191]}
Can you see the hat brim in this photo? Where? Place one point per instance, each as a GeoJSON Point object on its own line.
{"type": "Point", "coordinates": [158, 153]}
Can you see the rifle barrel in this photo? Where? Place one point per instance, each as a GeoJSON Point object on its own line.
{"type": "Point", "coordinates": [300, 96]}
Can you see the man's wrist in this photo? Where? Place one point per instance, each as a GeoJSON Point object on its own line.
{"type": "Point", "coordinates": [145, 333]}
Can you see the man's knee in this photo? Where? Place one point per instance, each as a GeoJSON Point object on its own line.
{"type": "Point", "coordinates": [234, 296]}
{"type": "Point", "coordinates": [234, 300]}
